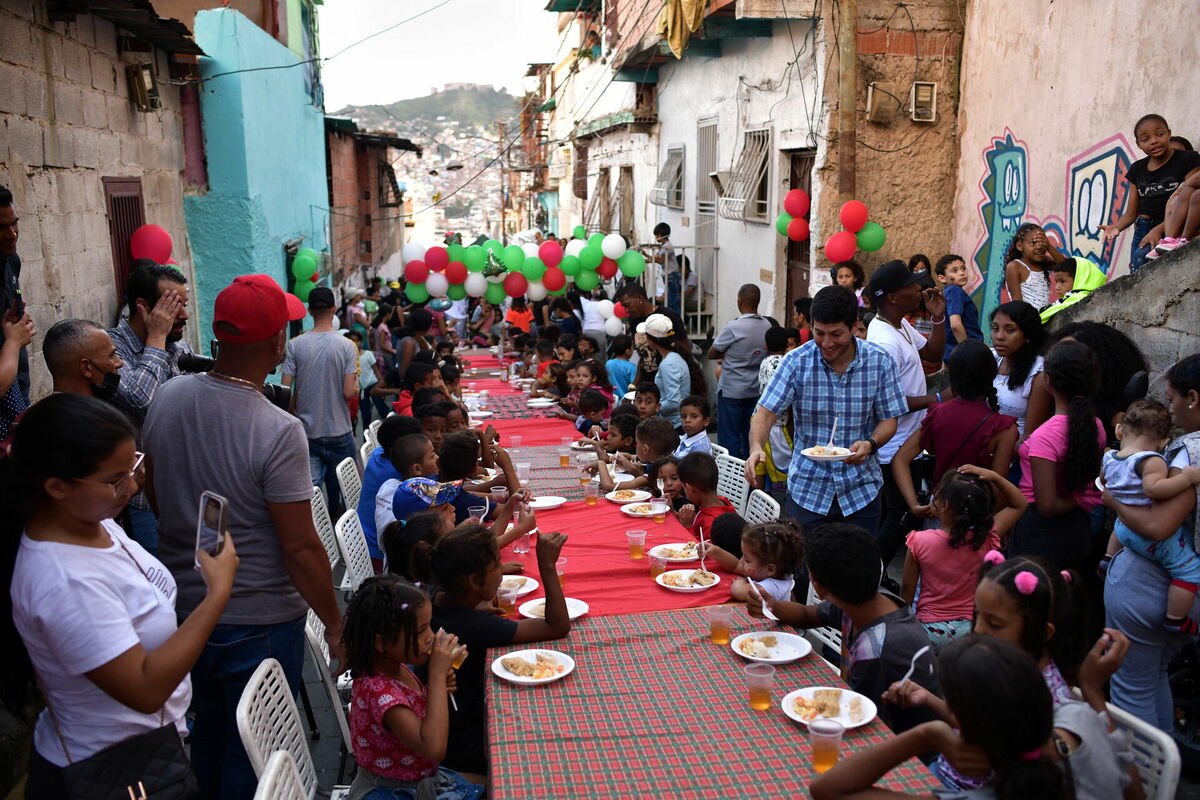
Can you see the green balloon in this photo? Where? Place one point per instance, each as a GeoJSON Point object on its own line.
{"type": "Point", "coordinates": [586, 280]}
{"type": "Point", "coordinates": [558, 293]}
{"type": "Point", "coordinates": [580, 232]}
{"type": "Point", "coordinates": [512, 257]}
{"type": "Point", "coordinates": [632, 264]}
{"type": "Point", "coordinates": [308, 251]}
{"type": "Point", "coordinates": [303, 287]}
{"type": "Point", "coordinates": [417, 292]}
{"type": "Point", "coordinates": [495, 293]}
{"type": "Point", "coordinates": [595, 240]}
{"type": "Point", "coordinates": [475, 258]}
{"type": "Point", "coordinates": [590, 257]}
{"type": "Point", "coordinates": [456, 251]}
{"type": "Point", "coordinates": [570, 265]}
{"type": "Point", "coordinates": [871, 237]}
{"type": "Point", "coordinates": [456, 291]}
{"type": "Point", "coordinates": [533, 269]}
{"type": "Point", "coordinates": [303, 267]}
{"type": "Point", "coordinates": [782, 222]}
{"type": "Point", "coordinates": [493, 246]}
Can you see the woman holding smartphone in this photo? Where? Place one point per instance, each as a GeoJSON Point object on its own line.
{"type": "Point", "coordinates": [96, 612]}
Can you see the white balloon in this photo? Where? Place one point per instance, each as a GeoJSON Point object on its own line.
{"type": "Point", "coordinates": [574, 247]}
{"type": "Point", "coordinates": [475, 284]}
{"type": "Point", "coordinates": [614, 326]}
{"type": "Point", "coordinates": [437, 284]}
{"type": "Point", "coordinates": [603, 307]}
{"type": "Point", "coordinates": [413, 251]}
{"type": "Point", "coordinates": [613, 246]}
{"type": "Point", "coordinates": [337, 322]}
{"type": "Point", "coordinates": [531, 249]}
{"type": "Point", "coordinates": [536, 292]}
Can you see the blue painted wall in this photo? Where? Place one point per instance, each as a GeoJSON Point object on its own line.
{"type": "Point", "coordinates": [265, 143]}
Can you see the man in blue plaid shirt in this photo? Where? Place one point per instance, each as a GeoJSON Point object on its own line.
{"type": "Point", "coordinates": [833, 377]}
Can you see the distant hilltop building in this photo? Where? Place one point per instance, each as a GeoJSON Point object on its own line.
{"type": "Point", "coordinates": [478, 87]}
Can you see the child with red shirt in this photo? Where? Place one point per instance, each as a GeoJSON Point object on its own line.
{"type": "Point", "coordinates": [399, 726]}
{"type": "Point", "coordinates": [698, 474]}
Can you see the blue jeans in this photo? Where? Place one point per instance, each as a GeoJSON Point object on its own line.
{"type": "Point", "coordinates": [364, 405]}
{"type": "Point", "coordinates": [323, 457]}
{"type": "Point", "coordinates": [674, 293]}
{"type": "Point", "coordinates": [144, 528]}
{"type": "Point", "coordinates": [733, 423]}
{"type": "Point", "coordinates": [1137, 255]}
{"type": "Point", "coordinates": [224, 668]}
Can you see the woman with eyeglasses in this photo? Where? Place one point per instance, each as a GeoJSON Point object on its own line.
{"type": "Point", "coordinates": [95, 612]}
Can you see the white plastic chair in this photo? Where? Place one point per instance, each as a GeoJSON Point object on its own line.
{"type": "Point", "coordinates": [830, 637]}
{"type": "Point", "coordinates": [364, 452]}
{"type": "Point", "coordinates": [761, 508]}
{"type": "Point", "coordinates": [373, 432]}
{"type": "Point", "coordinates": [1154, 752]}
{"type": "Point", "coordinates": [717, 450]}
{"type": "Point", "coordinates": [268, 721]}
{"type": "Point", "coordinates": [281, 779]}
{"type": "Point", "coordinates": [318, 648]}
{"type": "Point", "coordinates": [353, 543]}
{"type": "Point", "coordinates": [349, 481]}
{"type": "Point", "coordinates": [731, 481]}
{"type": "Point", "coordinates": [324, 526]}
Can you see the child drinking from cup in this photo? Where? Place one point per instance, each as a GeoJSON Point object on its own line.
{"type": "Point", "coordinates": [399, 725]}
{"type": "Point", "coordinates": [770, 555]}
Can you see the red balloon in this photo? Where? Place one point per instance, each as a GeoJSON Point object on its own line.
{"type": "Point", "coordinates": [797, 229]}
{"type": "Point", "coordinates": [554, 279]}
{"type": "Point", "coordinates": [316, 276]}
{"type": "Point", "coordinates": [841, 246]}
{"type": "Point", "coordinates": [853, 216]}
{"type": "Point", "coordinates": [515, 284]}
{"type": "Point", "coordinates": [620, 310]}
{"type": "Point", "coordinates": [456, 272]}
{"type": "Point", "coordinates": [796, 203]}
{"type": "Point", "coordinates": [416, 272]}
{"type": "Point", "coordinates": [436, 258]}
{"type": "Point", "coordinates": [550, 253]}
{"type": "Point", "coordinates": [607, 268]}
{"type": "Point", "coordinates": [152, 242]}
{"type": "Point", "coordinates": [172, 262]}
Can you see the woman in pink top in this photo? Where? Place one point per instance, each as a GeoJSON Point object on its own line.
{"type": "Point", "coordinates": [947, 559]}
{"type": "Point", "coordinates": [1060, 461]}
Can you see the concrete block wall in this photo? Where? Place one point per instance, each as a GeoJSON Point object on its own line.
{"type": "Point", "coordinates": [65, 123]}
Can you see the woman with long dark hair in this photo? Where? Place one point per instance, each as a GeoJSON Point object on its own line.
{"type": "Point", "coordinates": [1017, 341]}
{"type": "Point", "coordinates": [95, 612]}
{"type": "Point", "coordinates": [1123, 370]}
{"type": "Point", "coordinates": [678, 373]}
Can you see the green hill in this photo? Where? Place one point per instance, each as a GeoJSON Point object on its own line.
{"type": "Point", "coordinates": [472, 107]}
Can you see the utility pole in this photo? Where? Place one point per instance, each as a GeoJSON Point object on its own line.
{"type": "Point", "coordinates": [503, 184]}
{"type": "Point", "coordinates": [847, 134]}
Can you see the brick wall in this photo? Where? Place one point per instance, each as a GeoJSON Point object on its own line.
{"type": "Point", "coordinates": [343, 203]}
{"type": "Point", "coordinates": [65, 123]}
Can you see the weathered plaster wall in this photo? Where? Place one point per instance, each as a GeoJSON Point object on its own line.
{"type": "Point", "coordinates": [1051, 92]}
{"type": "Point", "coordinates": [65, 123]}
{"type": "Point", "coordinates": [265, 142]}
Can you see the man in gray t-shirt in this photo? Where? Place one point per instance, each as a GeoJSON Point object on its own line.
{"type": "Point", "coordinates": [322, 367]}
{"type": "Point", "coordinates": [217, 432]}
{"type": "Point", "coordinates": [740, 347]}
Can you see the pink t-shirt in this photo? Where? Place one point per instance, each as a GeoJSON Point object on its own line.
{"type": "Point", "coordinates": [948, 575]}
{"type": "Point", "coordinates": [1049, 441]}
{"type": "Point", "coordinates": [375, 747]}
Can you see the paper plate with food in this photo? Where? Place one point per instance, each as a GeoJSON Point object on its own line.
{"type": "Point", "coordinates": [546, 502]}
{"type": "Point", "coordinates": [688, 580]}
{"type": "Point", "coordinates": [532, 667]}
{"type": "Point", "coordinates": [677, 552]}
{"type": "Point", "coordinates": [523, 584]}
{"type": "Point", "coordinates": [771, 647]}
{"type": "Point", "coordinates": [536, 609]}
{"type": "Point", "coordinates": [480, 414]}
{"type": "Point", "coordinates": [827, 453]}
{"type": "Point", "coordinates": [628, 496]}
{"type": "Point", "coordinates": [641, 510]}
{"type": "Point", "coordinates": [617, 477]}
{"type": "Point", "coordinates": [583, 444]}
{"type": "Point", "coordinates": [539, 402]}
{"type": "Point", "coordinates": [849, 708]}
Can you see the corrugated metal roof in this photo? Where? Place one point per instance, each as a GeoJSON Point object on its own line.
{"type": "Point", "coordinates": [349, 126]}
{"type": "Point", "coordinates": [136, 17]}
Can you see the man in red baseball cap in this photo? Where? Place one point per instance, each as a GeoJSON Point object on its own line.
{"type": "Point", "coordinates": [218, 432]}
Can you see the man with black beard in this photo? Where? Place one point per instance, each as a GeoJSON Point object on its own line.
{"type": "Point", "coordinates": [82, 359]}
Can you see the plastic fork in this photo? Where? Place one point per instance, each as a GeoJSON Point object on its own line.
{"type": "Point", "coordinates": [833, 431]}
{"type": "Point", "coordinates": [912, 665]}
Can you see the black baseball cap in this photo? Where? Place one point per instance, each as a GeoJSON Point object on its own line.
{"type": "Point", "coordinates": [891, 277]}
{"type": "Point", "coordinates": [320, 297]}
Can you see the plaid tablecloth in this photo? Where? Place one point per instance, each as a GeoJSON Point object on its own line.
{"type": "Point", "coordinates": [653, 708]}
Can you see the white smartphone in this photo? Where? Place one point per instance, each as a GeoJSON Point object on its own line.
{"type": "Point", "coordinates": [211, 523]}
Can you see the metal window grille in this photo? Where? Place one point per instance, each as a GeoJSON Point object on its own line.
{"type": "Point", "coordinates": [747, 192]}
{"type": "Point", "coordinates": [706, 164]}
{"type": "Point", "coordinates": [126, 213]}
{"type": "Point", "coordinates": [668, 186]}
{"type": "Point", "coordinates": [596, 215]}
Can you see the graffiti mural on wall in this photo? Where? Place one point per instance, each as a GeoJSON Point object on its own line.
{"type": "Point", "coordinates": [1095, 194]}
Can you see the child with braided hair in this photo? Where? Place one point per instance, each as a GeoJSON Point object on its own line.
{"type": "Point", "coordinates": [770, 554]}
{"type": "Point", "coordinates": [1060, 461]}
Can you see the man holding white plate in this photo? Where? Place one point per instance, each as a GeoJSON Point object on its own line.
{"type": "Point", "coordinates": [845, 393]}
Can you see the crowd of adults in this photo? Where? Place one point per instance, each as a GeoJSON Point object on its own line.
{"type": "Point", "coordinates": [116, 608]}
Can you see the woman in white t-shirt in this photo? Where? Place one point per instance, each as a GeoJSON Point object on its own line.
{"type": "Point", "coordinates": [1017, 341]}
{"type": "Point", "coordinates": [95, 611]}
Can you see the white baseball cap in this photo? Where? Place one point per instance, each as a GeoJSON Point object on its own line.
{"type": "Point", "coordinates": [657, 326]}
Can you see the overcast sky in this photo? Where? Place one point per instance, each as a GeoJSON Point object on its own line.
{"type": "Point", "coordinates": [462, 41]}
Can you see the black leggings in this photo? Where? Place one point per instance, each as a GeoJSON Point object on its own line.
{"type": "Point", "coordinates": [45, 781]}
{"type": "Point", "coordinates": [1064, 540]}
